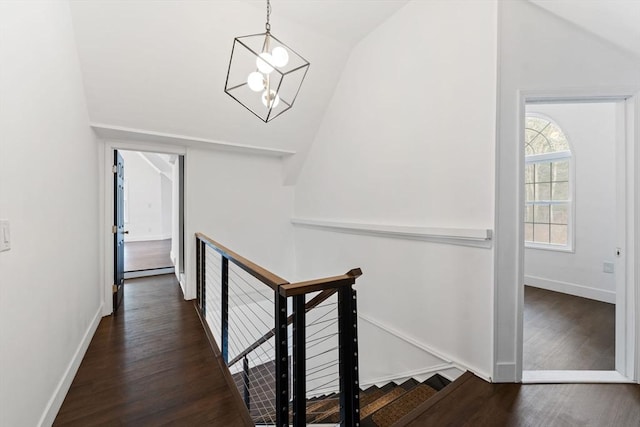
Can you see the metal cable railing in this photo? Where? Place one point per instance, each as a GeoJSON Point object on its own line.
{"type": "Point", "coordinates": [283, 343]}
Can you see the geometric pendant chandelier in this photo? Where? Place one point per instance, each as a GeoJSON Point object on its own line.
{"type": "Point", "coordinates": [265, 75]}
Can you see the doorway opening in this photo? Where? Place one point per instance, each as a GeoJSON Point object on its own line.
{"type": "Point", "coordinates": [148, 217]}
{"type": "Point", "coordinates": [150, 185]}
{"type": "Point", "coordinates": [574, 222]}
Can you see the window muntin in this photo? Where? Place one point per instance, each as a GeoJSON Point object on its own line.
{"type": "Point", "coordinates": [548, 187]}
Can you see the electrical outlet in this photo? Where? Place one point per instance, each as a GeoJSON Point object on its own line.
{"type": "Point", "coordinates": [607, 267]}
{"type": "Point", "coordinates": [5, 235]}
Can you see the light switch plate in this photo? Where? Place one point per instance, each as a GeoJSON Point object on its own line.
{"type": "Point", "coordinates": [608, 267]}
{"type": "Point", "coordinates": [5, 235]}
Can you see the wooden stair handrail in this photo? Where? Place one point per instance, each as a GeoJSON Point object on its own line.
{"type": "Point", "coordinates": [335, 282]}
{"type": "Point", "coordinates": [260, 273]}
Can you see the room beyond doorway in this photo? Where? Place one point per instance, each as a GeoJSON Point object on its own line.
{"type": "Point", "coordinates": [150, 187]}
{"type": "Point", "coordinates": [566, 332]}
{"type": "Point", "coordinates": [147, 255]}
{"type": "Point", "coordinates": [573, 204]}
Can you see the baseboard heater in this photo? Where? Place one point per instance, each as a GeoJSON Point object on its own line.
{"type": "Point", "coordinates": [150, 272]}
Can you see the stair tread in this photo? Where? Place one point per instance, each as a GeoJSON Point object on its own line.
{"type": "Point", "coordinates": [318, 408]}
{"type": "Point", "coordinates": [329, 412]}
{"type": "Point", "coordinates": [388, 387]}
{"type": "Point", "coordinates": [379, 406]}
{"type": "Point", "coordinates": [370, 397]}
{"type": "Point", "coordinates": [395, 410]}
{"type": "Point", "coordinates": [366, 398]}
{"type": "Point", "coordinates": [383, 400]}
{"type": "Point", "coordinates": [437, 382]}
{"type": "Point", "coordinates": [370, 389]}
{"type": "Point", "coordinates": [409, 384]}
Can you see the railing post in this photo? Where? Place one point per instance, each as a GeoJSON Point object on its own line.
{"type": "Point", "coordinates": [203, 278]}
{"type": "Point", "coordinates": [198, 276]}
{"type": "Point", "coordinates": [224, 321]}
{"type": "Point", "coordinates": [245, 381]}
{"type": "Point", "coordinates": [282, 361]}
{"type": "Point", "coordinates": [348, 353]}
{"type": "Point", "coordinates": [299, 362]}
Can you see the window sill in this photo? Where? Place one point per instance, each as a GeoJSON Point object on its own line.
{"type": "Point", "coordinates": [552, 248]}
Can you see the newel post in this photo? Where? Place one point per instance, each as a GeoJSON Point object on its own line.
{"type": "Point", "coordinates": [282, 361]}
{"type": "Point", "coordinates": [198, 274]}
{"type": "Point", "coordinates": [224, 321]}
{"type": "Point", "coordinates": [348, 353]}
{"type": "Point", "coordinates": [299, 362]}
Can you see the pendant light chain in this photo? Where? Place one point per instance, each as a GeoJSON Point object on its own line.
{"type": "Point", "coordinates": [267, 26]}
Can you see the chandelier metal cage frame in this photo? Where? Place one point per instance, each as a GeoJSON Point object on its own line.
{"type": "Point", "coordinates": [265, 75]}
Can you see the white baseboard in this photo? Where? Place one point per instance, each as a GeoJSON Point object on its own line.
{"type": "Point", "coordinates": [505, 372]}
{"type": "Point", "coordinates": [574, 377]}
{"type": "Point", "coordinates": [571, 289]}
{"type": "Point", "coordinates": [54, 404]}
{"type": "Point", "coordinates": [449, 368]}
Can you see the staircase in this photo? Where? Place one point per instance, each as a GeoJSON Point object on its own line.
{"type": "Point", "coordinates": [283, 342]}
{"type": "Point", "coordinates": [379, 406]}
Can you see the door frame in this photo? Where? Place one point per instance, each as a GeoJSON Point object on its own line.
{"type": "Point", "coordinates": [509, 246]}
{"type": "Point", "coordinates": [107, 206]}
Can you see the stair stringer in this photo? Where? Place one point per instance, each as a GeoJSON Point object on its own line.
{"type": "Point", "coordinates": [388, 355]}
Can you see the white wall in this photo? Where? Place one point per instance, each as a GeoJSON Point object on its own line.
{"type": "Point", "coordinates": [148, 199]}
{"type": "Point", "coordinates": [166, 201]}
{"type": "Point", "coordinates": [544, 55]}
{"type": "Point", "coordinates": [591, 130]}
{"type": "Point", "coordinates": [239, 201]}
{"type": "Point", "coordinates": [49, 292]}
{"type": "Point", "coordinates": [408, 139]}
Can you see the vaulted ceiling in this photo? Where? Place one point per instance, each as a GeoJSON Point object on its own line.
{"type": "Point", "coordinates": [160, 66]}
{"type": "Point", "coordinates": [617, 21]}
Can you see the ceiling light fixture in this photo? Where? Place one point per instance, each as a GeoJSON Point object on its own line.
{"type": "Point", "coordinates": [265, 75]}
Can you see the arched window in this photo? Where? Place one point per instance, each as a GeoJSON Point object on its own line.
{"type": "Point", "coordinates": [548, 185]}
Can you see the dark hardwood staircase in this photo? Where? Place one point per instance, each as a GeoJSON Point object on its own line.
{"type": "Point", "coordinates": [379, 406]}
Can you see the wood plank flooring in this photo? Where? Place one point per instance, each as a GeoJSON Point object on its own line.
{"type": "Point", "coordinates": [564, 332]}
{"type": "Point", "coordinates": [150, 364]}
{"type": "Point", "coordinates": [471, 401]}
{"type": "Point", "coordinates": [147, 255]}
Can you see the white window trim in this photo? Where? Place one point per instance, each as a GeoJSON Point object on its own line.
{"type": "Point", "coordinates": [550, 157]}
{"type": "Point", "coordinates": [547, 157]}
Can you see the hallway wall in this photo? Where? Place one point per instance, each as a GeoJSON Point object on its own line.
{"type": "Point", "coordinates": [239, 201]}
{"type": "Point", "coordinates": [49, 294]}
{"type": "Point", "coordinates": [408, 141]}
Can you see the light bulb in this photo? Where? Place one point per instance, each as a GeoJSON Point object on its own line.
{"type": "Point", "coordinates": [274, 98]}
{"type": "Point", "coordinates": [263, 62]}
{"type": "Point", "coordinates": [280, 56]}
{"type": "Point", "coordinates": [256, 81]}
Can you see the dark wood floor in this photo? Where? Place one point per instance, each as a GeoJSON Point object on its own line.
{"type": "Point", "coordinates": [150, 364]}
{"type": "Point", "coordinates": [564, 332]}
{"type": "Point", "coordinates": [471, 401]}
{"type": "Point", "coordinates": [147, 255]}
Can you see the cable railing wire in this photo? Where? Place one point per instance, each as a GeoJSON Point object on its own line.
{"type": "Point", "coordinates": [242, 312]}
